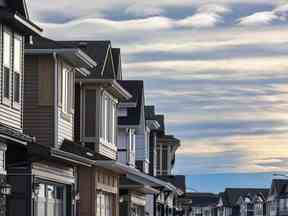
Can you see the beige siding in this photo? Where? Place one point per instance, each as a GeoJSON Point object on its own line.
{"type": "Point", "coordinates": [38, 120]}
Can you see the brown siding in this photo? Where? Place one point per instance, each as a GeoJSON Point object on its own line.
{"type": "Point", "coordinates": [86, 179]}
{"type": "Point", "coordinates": [45, 81]}
{"type": "Point", "coordinates": [38, 120]}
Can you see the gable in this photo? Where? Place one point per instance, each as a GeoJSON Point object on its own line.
{"type": "Point", "coordinates": [108, 70]}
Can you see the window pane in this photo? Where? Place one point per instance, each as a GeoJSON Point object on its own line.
{"type": "Point", "coordinates": [17, 87]}
{"type": "Point", "coordinates": [17, 55]}
{"type": "Point", "coordinates": [6, 82]}
{"type": "Point", "coordinates": [7, 49]}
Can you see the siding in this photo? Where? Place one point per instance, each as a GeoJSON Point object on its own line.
{"type": "Point", "coordinates": [8, 115]}
{"type": "Point", "coordinates": [65, 127]}
{"type": "Point", "coordinates": [38, 120]}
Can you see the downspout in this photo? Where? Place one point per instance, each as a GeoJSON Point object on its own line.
{"type": "Point", "coordinates": [55, 99]}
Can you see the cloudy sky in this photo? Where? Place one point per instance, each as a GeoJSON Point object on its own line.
{"type": "Point", "coordinates": [218, 69]}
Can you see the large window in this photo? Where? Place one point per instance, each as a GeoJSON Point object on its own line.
{"type": "Point", "coordinates": [51, 200]}
{"type": "Point", "coordinates": [108, 119]}
{"type": "Point", "coordinates": [6, 65]}
{"type": "Point", "coordinates": [104, 204]}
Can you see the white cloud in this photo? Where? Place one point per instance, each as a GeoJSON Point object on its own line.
{"type": "Point", "coordinates": [143, 10]}
{"type": "Point", "coordinates": [280, 13]}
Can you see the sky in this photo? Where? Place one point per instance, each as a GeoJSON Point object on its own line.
{"type": "Point", "coordinates": [216, 68]}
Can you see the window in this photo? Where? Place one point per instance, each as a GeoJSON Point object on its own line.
{"type": "Point", "coordinates": [6, 64]}
{"type": "Point", "coordinates": [51, 200]}
{"type": "Point", "coordinates": [2, 160]}
{"type": "Point", "coordinates": [104, 204]}
{"type": "Point", "coordinates": [67, 89]}
{"type": "Point", "coordinates": [109, 119]}
{"type": "Point", "coordinates": [17, 69]}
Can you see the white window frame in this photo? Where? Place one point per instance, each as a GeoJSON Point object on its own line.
{"type": "Point", "coordinates": [67, 90]}
{"type": "Point", "coordinates": [7, 45]}
{"type": "Point", "coordinates": [17, 68]}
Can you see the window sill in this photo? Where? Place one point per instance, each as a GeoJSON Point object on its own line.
{"type": "Point", "coordinates": [16, 106]}
{"type": "Point", "coordinates": [6, 101]}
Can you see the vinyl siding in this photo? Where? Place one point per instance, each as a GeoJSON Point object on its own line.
{"type": "Point", "coordinates": [9, 115]}
{"type": "Point", "coordinates": [65, 127]}
{"type": "Point", "coordinates": [38, 120]}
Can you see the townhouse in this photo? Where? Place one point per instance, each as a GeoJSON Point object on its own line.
{"type": "Point", "coordinates": [200, 204]}
{"type": "Point", "coordinates": [14, 26]}
{"type": "Point", "coordinates": [240, 201]}
{"type": "Point", "coordinates": [81, 144]}
{"type": "Point", "coordinates": [277, 201]}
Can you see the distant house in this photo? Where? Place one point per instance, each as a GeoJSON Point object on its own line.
{"type": "Point", "coordinates": [201, 204]}
{"type": "Point", "coordinates": [239, 201]}
{"type": "Point", "coordinates": [277, 202]}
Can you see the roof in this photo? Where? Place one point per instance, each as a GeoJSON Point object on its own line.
{"type": "Point", "coordinates": [279, 186]}
{"type": "Point", "coordinates": [232, 195]}
{"type": "Point", "coordinates": [116, 54]}
{"type": "Point", "coordinates": [178, 181]}
{"type": "Point", "coordinates": [136, 89]}
{"type": "Point", "coordinates": [11, 133]}
{"type": "Point", "coordinates": [202, 199]}
{"type": "Point", "coordinates": [18, 6]}
{"type": "Point", "coordinates": [101, 52]}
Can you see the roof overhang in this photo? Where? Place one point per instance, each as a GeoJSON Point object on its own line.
{"type": "Point", "coordinates": [139, 188]}
{"type": "Point", "coordinates": [75, 56]}
{"type": "Point", "coordinates": [111, 85]}
{"type": "Point", "coordinates": [127, 105]}
{"type": "Point", "coordinates": [18, 22]}
{"type": "Point", "coordinates": [153, 124]}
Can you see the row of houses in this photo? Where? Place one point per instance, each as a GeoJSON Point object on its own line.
{"type": "Point", "coordinates": [75, 137]}
{"type": "Point", "coordinates": [240, 201]}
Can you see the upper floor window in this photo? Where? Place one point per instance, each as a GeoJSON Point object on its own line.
{"type": "Point", "coordinates": [67, 90]}
{"type": "Point", "coordinates": [109, 119]}
{"type": "Point", "coordinates": [6, 65]}
{"type": "Point", "coordinates": [12, 72]}
{"type": "Point", "coordinates": [17, 70]}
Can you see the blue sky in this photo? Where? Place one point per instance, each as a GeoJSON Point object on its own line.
{"type": "Point", "coordinates": [216, 68]}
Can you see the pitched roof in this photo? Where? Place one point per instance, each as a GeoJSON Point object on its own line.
{"type": "Point", "coordinates": [136, 89]}
{"type": "Point", "coordinates": [18, 6]}
{"type": "Point", "coordinates": [178, 181]}
{"type": "Point", "coordinates": [116, 54]}
{"type": "Point", "coordinates": [202, 199]}
{"type": "Point", "coordinates": [100, 51]}
{"type": "Point", "coordinates": [279, 186]}
{"type": "Point", "coordinates": [150, 113]}
{"type": "Point", "coordinates": [232, 195]}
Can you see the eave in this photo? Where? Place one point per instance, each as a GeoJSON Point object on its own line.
{"type": "Point", "coordinates": [75, 56]}
{"type": "Point", "coordinates": [18, 22]}
{"type": "Point", "coordinates": [110, 85]}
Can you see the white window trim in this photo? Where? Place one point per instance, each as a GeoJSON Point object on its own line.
{"type": "Point", "coordinates": [5, 100]}
{"type": "Point", "coordinates": [16, 104]}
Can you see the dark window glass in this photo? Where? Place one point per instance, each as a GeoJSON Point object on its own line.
{"type": "Point", "coordinates": [17, 87]}
{"type": "Point", "coordinates": [6, 82]}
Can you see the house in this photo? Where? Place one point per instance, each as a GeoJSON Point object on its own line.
{"type": "Point", "coordinates": [277, 201]}
{"type": "Point", "coordinates": [97, 97]}
{"type": "Point", "coordinates": [44, 174]}
{"type": "Point", "coordinates": [200, 204]}
{"type": "Point", "coordinates": [238, 201]}
{"type": "Point", "coordinates": [15, 25]}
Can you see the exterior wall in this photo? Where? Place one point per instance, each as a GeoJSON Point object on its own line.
{"type": "Point", "coordinates": [39, 114]}
{"type": "Point", "coordinates": [93, 180]}
{"type": "Point", "coordinates": [9, 114]}
{"type": "Point", "coordinates": [126, 146]}
{"type": "Point", "coordinates": [65, 127]}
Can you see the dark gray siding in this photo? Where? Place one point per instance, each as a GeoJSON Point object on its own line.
{"type": "Point", "coordinates": [38, 119]}
{"type": "Point", "coordinates": [9, 115]}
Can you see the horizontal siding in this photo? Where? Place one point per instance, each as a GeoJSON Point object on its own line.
{"type": "Point", "coordinates": [65, 128]}
{"type": "Point", "coordinates": [140, 147]}
{"type": "Point", "coordinates": [37, 120]}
